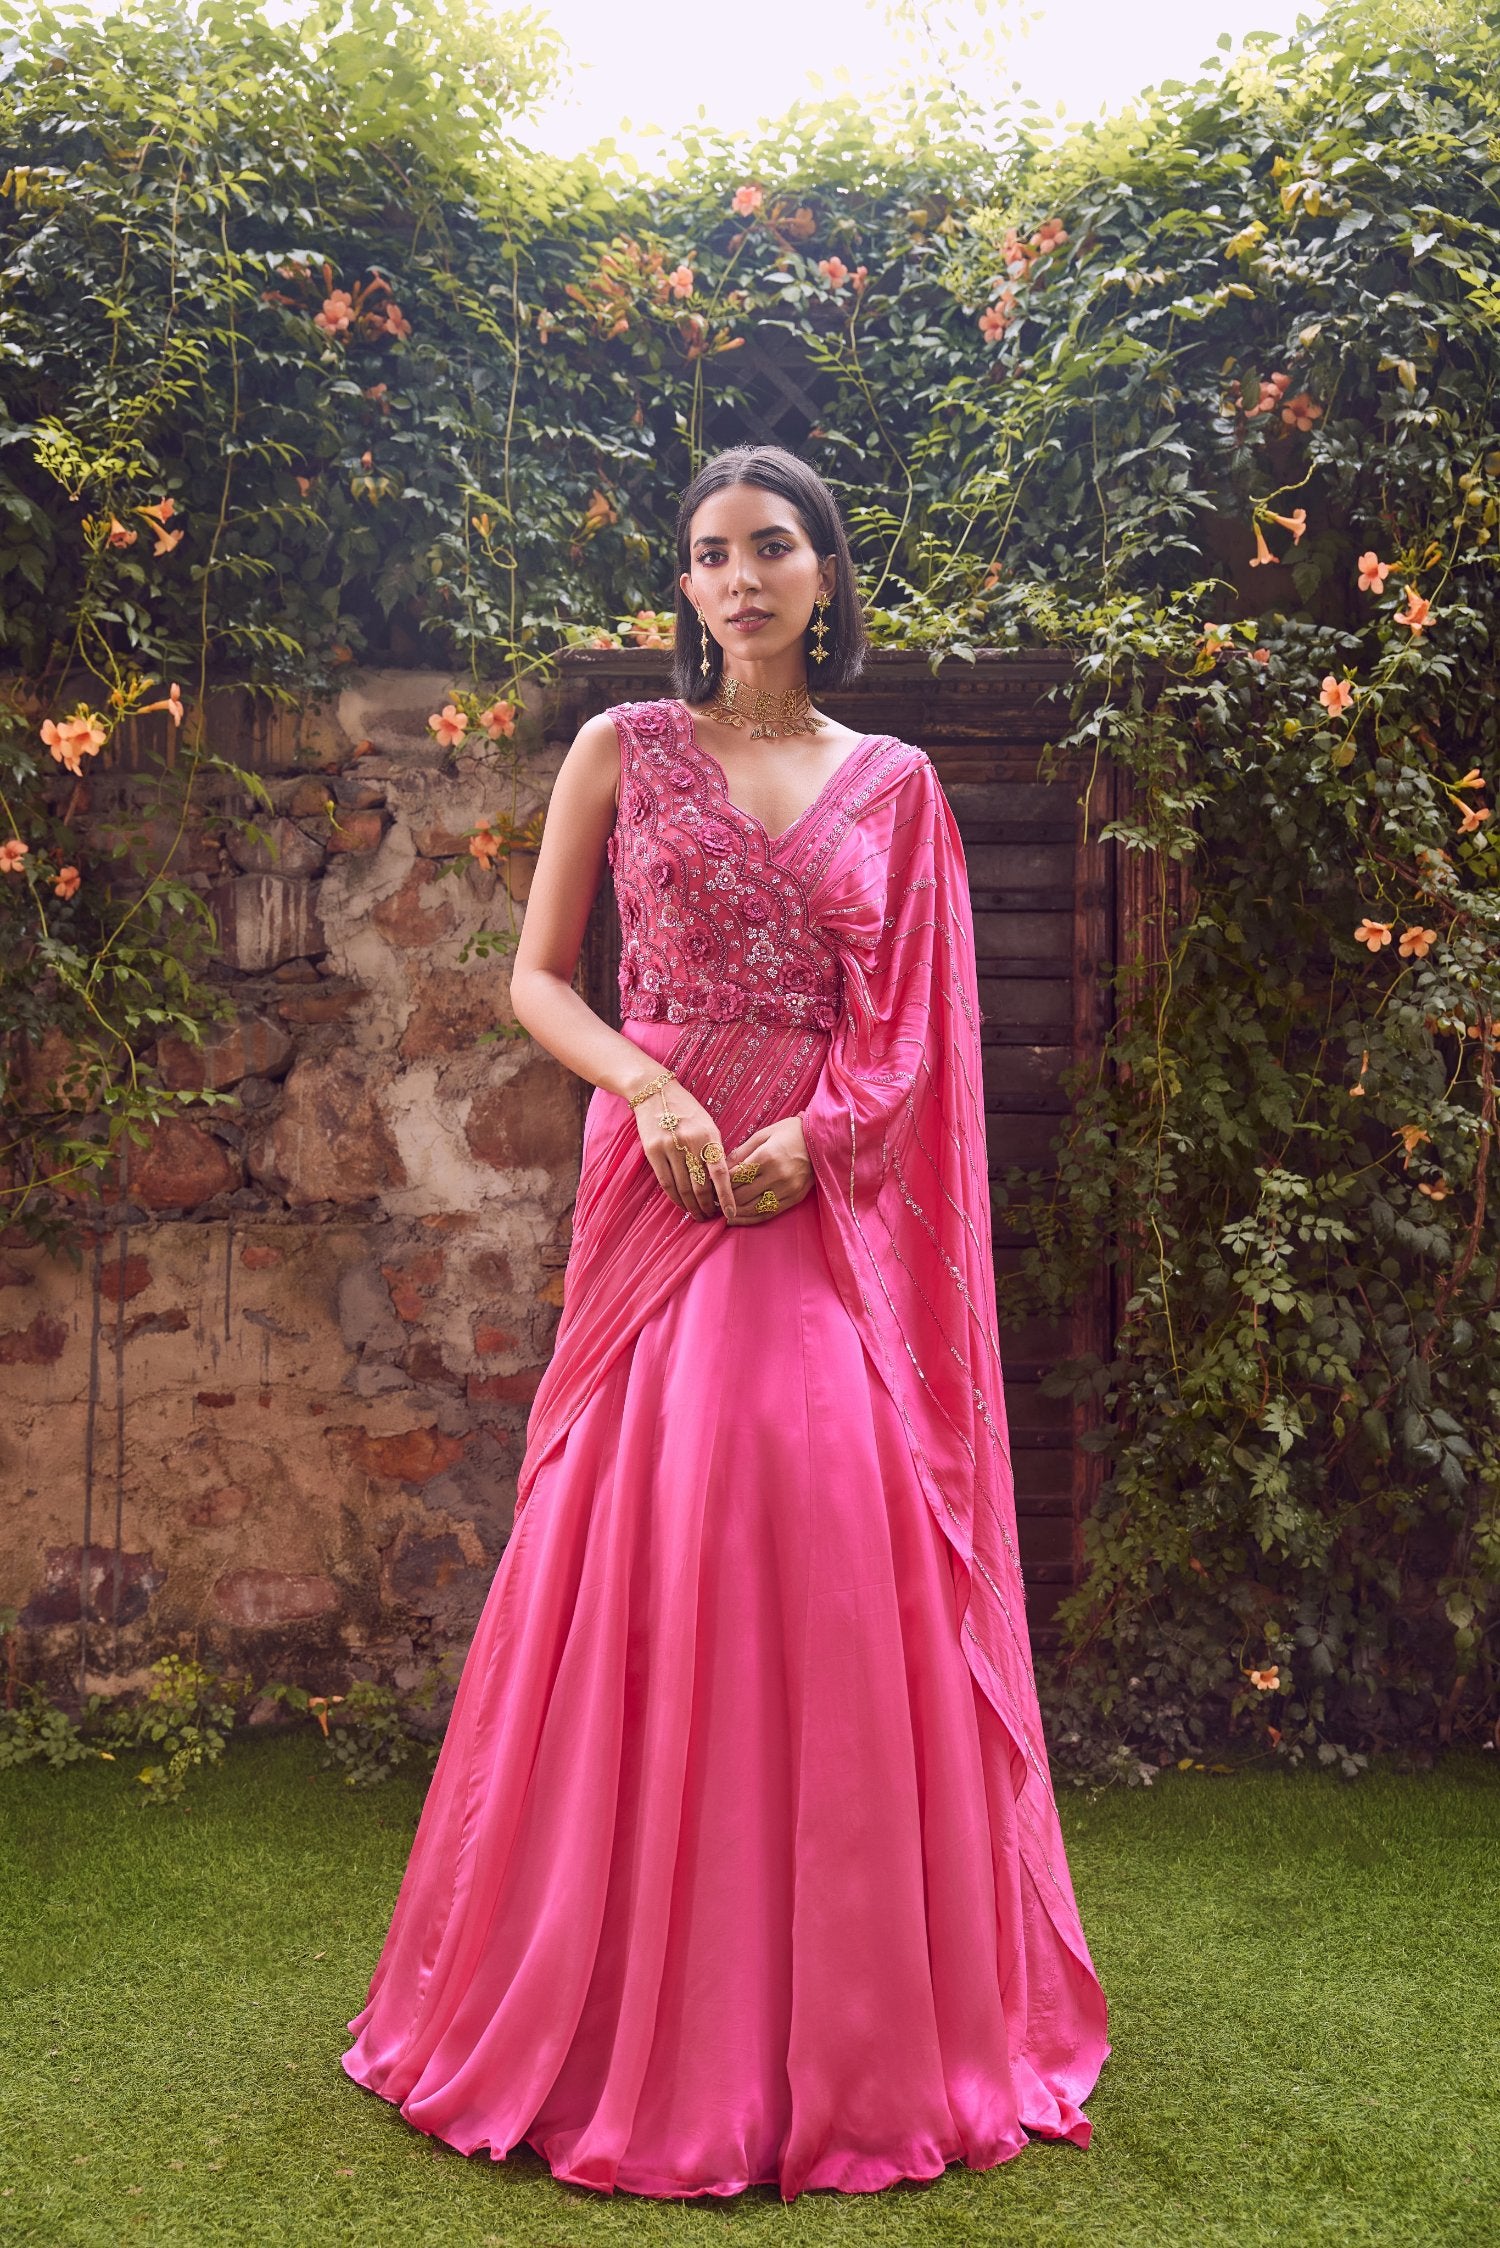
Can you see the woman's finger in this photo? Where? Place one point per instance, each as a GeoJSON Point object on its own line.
{"type": "Point", "coordinates": [767, 1174]}
{"type": "Point", "coordinates": [662, 1171]}
{"type": "Point", "coordinates": [701, 1186]}
{"type": "Point", "coordinates": [667, 1160]}
{"type": "Point", "coordinates": [698, 1188]}
{"type": "Point", "coordinates": [707, 1183]}
{"type": "Point", "coordinates": [666, 1152]}
{"type": "Point", "coordinates": [717, 1189]}
{"type": "Point", "coordinates": [718, 1194]}
{"type": "Point", "coordinates": [682, 1185]}
{"type": "Point", "coordinates": [748, 1194]}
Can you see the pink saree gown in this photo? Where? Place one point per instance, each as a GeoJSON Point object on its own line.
{"type": "Point", "coordinates": [740, 1863]}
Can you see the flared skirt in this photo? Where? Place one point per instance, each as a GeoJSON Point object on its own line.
{"type": "Point", "coordinates": [716, 1883]}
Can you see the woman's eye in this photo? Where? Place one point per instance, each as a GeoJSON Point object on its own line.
{"type": "Point", "coordinates": [776, 546]}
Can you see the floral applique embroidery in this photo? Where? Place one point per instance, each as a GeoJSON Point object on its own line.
{"type": "Point", "coordinates": [714, 928]}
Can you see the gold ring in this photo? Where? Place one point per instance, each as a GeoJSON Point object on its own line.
{"type": "Point", "coordinates": [695, 1171]}
{"type": "Point", "coordinates": [744, 1172]}
{"type": "Point", "coordinates": [767, 1201]}
{"type": "Point", "coordinates": [712, 1153]}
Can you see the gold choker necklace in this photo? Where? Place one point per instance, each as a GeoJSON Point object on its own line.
{"type": "Point", "coordinates": [772, 715]}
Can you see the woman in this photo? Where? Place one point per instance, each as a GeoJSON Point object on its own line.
{"type": "Point", "coordinates": [741, 1863]}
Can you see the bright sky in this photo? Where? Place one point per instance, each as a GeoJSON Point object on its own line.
{"type": "Point", "coordinates": [637, 67]}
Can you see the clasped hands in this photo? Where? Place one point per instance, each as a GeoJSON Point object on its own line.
{"type": "Point", "coordinates": [778, 1151]}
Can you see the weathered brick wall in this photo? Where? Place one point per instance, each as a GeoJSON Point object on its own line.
{"type": "Point", "coordinates": [275, 1415]}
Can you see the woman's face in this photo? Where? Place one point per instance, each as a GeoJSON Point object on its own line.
{"type": "Point", "coordinates": [755, 573]}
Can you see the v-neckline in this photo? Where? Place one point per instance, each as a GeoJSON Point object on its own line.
{"type": "Point", "coordinates": [708, 758]}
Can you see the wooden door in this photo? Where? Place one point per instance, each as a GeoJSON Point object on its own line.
{"type": "Point", "coordinates": [1044, 922]}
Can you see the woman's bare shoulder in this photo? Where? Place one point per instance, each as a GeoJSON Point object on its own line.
{"type": "Point", "coordinates": [595, 751]}
{"type": "Point", "coordinates": [598, 735]}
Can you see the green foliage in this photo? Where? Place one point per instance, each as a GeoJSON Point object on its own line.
{"type": "Point", "coordinates": [168, 411]}
{"type": "Point", "coordinates": [188, 1714]}
{"type": "Point", "coordinates": [370, 1730]}
{"type": "Point", "coordinates": [287, 378]}
{"type": "Point", "coordinates": [184, 1718]}
{"type": "Point", "coordinates": [474, 490]}
{"type": "Point", "coordinates": [1152, 394]}
{"type": "Point", "coordinates": [1266, 330]}
{"type": "Point", "coordinates": [36, 1727]}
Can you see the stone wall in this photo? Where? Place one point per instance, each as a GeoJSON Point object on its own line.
{"type": "Point", "coordinates": [274, 1414]}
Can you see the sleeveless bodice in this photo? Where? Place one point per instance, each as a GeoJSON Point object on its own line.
{"type": "Point", "coordinates": [716, 915]}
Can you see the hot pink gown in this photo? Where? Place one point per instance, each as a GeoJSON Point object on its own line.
{"type": "Point", "coordinates": [740, 1863]}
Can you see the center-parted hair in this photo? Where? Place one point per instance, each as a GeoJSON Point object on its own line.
{"type": "Point", "coordinates": [773, 469]}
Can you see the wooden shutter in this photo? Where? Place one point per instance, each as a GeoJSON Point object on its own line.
{"type": "Point", "coordinates": [1044, 921]}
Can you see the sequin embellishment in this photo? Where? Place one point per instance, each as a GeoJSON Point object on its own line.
{"type": "Point", "coordinates": [714, 926]}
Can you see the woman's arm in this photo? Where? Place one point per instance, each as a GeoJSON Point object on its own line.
{"type": "Point", "coordinates": [580, 814]}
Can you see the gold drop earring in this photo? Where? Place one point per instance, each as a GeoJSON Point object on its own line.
{"type": "Point", "coordinates": [819, 650]}
{"type": "Point", "coordinates": [705, 666]}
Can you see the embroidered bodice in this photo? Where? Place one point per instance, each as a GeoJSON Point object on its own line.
{"type": "Point", "coordinates": [717, 921]}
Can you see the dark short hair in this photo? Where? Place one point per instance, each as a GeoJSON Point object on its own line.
{"type": "Point", "coordinates": [776, 470]}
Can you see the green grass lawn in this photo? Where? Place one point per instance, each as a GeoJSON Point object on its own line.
{"type": "Point", "coordinates": [1302, 1975]}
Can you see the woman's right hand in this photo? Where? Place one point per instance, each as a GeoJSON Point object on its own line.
{"type": "Point", "coordinates": [696, 1129]}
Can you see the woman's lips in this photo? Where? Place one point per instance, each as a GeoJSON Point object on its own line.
{"type": "Point", "coordinates": [748, 624]}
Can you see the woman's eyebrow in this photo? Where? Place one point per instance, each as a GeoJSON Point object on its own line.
{"type": "Point", "coordinates": [768, 531]}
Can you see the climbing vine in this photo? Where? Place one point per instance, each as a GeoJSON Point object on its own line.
{"type": "Point", "coordinates": [1246, 348]}
{"type": "Point", "coordinates": [288, 381]}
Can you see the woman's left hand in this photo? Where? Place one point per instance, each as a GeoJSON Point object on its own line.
{"type": "Point", "coordinates": [779, 1153]}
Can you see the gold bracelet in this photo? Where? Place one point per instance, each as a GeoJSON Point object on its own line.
{"type": "Point", "coordinates": [667, 1076]}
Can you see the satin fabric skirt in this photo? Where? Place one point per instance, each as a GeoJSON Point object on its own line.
{"type": "Point", "coordinates": [710, 1885]}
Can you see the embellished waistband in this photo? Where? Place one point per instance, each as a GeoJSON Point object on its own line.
{"type": "Point", "coordinates": [727, 1003]}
